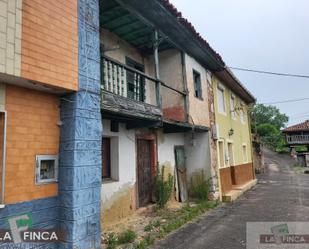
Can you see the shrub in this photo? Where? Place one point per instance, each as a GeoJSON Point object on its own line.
{"type": "Point", "coordinates": [163, 188]}
{"type": "Point", "coordinates": [199, 186]}
{"type": "Point", "coordinates": [127, 236]}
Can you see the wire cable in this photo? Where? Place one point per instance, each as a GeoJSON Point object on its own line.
{"type": "Point", "coordinates": [269, 72]}
{"type": "Point", "coordinates": [285, 101]}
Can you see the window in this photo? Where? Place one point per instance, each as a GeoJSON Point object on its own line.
{"type": "Point", "coordinates": [242, 114]}
{"type": "Point", "coordinates": [231, 154]}
{"type": "Point", "coordinates": [233, 106]}
{"type": "Point", "coordinates": [46, 168]}
{"type": "Point", "coordinates": [110, 158]}
{"type": "Point", "coordinates": [135, 82]}
{"type": "Point", "coordinates": [197, 85]}
{"type": "Point", "coordinates": [221, 154]}
{"type": "Point", "coordinates": [221, 99]}
{"type": "Point", "coordinates": [244, 151]}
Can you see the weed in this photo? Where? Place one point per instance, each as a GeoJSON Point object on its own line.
{"type": "Point", "coordinates": [199, 186]}
{"type": "Point", "coordinates": [127, 236]}
{"type": "Point", "coordinates": [112, 241]}
{"type": "Point", "coordinates": [151, 225]}
{"type": "Point", "coordinates": [163, 188]}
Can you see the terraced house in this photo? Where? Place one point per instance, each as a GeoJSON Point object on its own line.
{"type": "Point", "coordinates": [94, 95]}
{"type": "Point", "coordinates": [232, 102]}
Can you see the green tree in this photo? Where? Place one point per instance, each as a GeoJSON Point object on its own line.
{"type": "Point", "coordinates": [268, 122]}
{"type": "Point", "coordinates": [263, 114]}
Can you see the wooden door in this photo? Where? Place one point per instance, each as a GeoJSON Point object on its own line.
{"type": "Point", "coordinates": [144, 172]}
{"type": "Point", "coordinates": [180, 159]}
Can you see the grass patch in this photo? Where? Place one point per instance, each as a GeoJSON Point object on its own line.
{"type": "Point", "coordinates": [299, 169]}
{"type": "Point", "coordinates": [174, 220]}
{"type": "Point", "coordinates": [126, 237]}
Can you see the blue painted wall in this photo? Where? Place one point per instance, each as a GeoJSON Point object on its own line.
{"type": "Point", "coordinates": [43, 212]}
{"type": "Point", "coordinates": [77, 207]}
{"type": "Point", "coordinates": [80, 150]}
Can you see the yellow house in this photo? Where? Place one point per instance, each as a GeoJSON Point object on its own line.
{"type": "Point", "coordinates": [233, 135]}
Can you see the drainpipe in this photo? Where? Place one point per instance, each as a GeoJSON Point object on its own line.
{"type": "Point", "coordinates": [157, 68]}
{"type": "Point", "coordinates": [251, 142]}
{"type": "Point", "coordinates": [2, 205]}
{"type": "Point", "coordinates": [185, 85]}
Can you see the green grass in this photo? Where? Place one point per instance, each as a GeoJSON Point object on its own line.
{"type": "Point", "coordinates": [127, 236]}
{"type": "Point", "coordinates": [174, 220]}
{"type": "Point", "coordinates": [299, 169]}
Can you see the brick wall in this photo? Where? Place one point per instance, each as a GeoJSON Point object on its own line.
{"type": "Point", "coordinates": [31, 130]}
{"type": "Point", "coordinates": [50, 42]}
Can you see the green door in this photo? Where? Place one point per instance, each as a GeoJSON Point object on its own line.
{"type": "Point", "coordinates": [180, 159]}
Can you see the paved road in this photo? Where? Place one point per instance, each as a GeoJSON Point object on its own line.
{"type": "Point", "coordinates": [280, 195]}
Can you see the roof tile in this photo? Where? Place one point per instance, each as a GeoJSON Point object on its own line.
{"type": "Point", "coordinates": [298, 127]}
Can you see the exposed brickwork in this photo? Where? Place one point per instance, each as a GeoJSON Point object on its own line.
{"type": "Point", "coordinates": [174, 113]}
{"type": "Point", "coordinates": [50, 42]}
{"type": "Point", "coordinates": [226, 180]}
{"type": "Point", "coordinates": [213, 143]}
{"type": "Point", "coordinates": [242, 174]}
{"type": "Point", "coordinates": [31, 130]}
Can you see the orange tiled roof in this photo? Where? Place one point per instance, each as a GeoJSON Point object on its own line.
{"type": "Point", "coordinates": [298, 127]}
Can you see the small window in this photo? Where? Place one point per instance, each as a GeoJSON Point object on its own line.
{"type": "Point", "coordinates": [110, 159]}
{"type": "Point", "coordinates": [245, 155]}
{"type": "Point", "coordinates": [233, 106]}
{"type": "Point", "coordinates": [197, 85]}
{"type": "Point", "coordinates": [106, 158]}
{"type": "Point", "coordinates": [46, 169]}
{"type": "Point", "coordinates": [221, 99]}
{"type": "Point", "coordinates": [221, 156]}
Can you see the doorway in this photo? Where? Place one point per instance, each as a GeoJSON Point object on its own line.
{"type": "Point", "coordinates": [144, 172]}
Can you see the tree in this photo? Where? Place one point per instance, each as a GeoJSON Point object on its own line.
{"type": "Point", "coordinates": [268, 122]}
{"type": "Point", "coordinates": [263, 114]}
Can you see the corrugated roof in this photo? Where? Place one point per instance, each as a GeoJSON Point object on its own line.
{"type": "Point", "coordinates": [298, 127]}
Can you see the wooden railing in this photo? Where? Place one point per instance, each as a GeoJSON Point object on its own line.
{"type": "Point", "coordinates": [297, 139]}
{"type": "Point", "coordinates": [128, 82]}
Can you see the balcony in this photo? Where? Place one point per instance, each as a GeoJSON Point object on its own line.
{"type": "Point", "coordinates": [128, 91]}
{"type": "Point", "coordinates": [298, 139]}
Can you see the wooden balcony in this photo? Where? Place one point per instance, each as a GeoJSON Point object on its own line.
{"type": "Point", "coordinates": [128, 91]}
{"type": "Point", "coordinates": [298, 139]}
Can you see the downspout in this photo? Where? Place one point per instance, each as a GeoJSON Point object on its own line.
{"type": "Point", "coordinates": [157, 68]}
{"type": "Point", "coordinates": [2, 205]}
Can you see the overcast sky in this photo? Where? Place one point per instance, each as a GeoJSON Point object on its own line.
{"type": "Point", "coordinates": [271, 35]}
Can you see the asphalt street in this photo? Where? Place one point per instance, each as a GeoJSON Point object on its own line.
{"type": "Point", "coordinates": [280, 196]}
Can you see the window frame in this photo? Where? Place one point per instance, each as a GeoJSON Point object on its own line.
{"type": "Point", "coordinates": [221, 88]}
{"type": "Point", "coordinates": [197, 89]}
{"type": "Point", "coordinates": [38, 160]}
{"type": "Point", "coordinates": [233, 106]}
{"type": "Point", "coordinates": [242, 114]}
{"type": "Point", "coordinates": [245, 155]}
